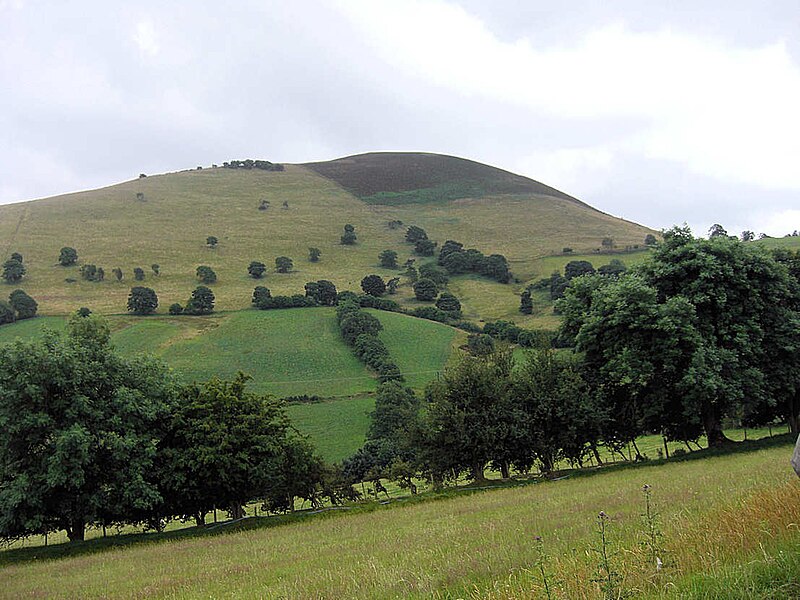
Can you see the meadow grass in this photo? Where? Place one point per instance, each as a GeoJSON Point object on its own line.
{"type": "Point", "coordinates": [110, 228]}
{"type": "Point", "coordinates": [716, 513]}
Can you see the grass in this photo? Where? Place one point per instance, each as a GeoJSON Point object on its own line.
{"type": "Point", "coordinates": [110, 228]}
{"type": "Point", "coordinates": [721, 515]}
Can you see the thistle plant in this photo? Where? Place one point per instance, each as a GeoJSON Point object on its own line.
{"type": "Point", "coordinates": [653, 535]}
{"type": "Point", "coordinates": [608, 578]}
{"type": "Point", "coordinates": [541, 561]}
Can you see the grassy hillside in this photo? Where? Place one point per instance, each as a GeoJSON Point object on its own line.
{"type": "Point", "coordinates": [111, 228]}
{"type": "Point", "coordinates": [724, 518]}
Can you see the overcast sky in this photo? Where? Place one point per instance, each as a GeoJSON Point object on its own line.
{"type": "Point", "coordinates": [677, 111]}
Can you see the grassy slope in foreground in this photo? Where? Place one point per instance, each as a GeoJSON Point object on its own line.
{"type": "Point", "coordinates": [715, 512]}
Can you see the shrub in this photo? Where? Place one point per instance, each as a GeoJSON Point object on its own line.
{"type": "Point", "coordinates": [388, 259]}
{"type": "Point", "coordinates": [142, 301]}
{"type": "Point", "coordinates": [206, 274]}
{"type": "Point", "coordinates": [425, 247]}
{"type": "Point", "coordinates": [358, 324]}
{"type": "Point", "coordinates": [256, 269]}
{"type": "Point", "coordinates": [367, 301]}
{"type": "Point", "coordinates": [7, 314]}
{"type": "Point", "coordinates": [261, 295]}
{"type": "Point", "coordinates": [23, 304]}
{"type": "Point", "coordinates": [211, 241]}
{"type": "Point", "coordinates": [68, 256]}
{"type": "Point", "coordinates": [480, 344]}
{"type": "Point", "coordinates": [431, 313]}
{"type": "Point", "coordinates": [314, 254]}
{"type": "Point", "coordinates": [449, 303]}
{"type": "Point", "coordinates": [283, 264]}
{"type": "Point", "coordinates": [373, 285]}
{"type": "Point", "coordinates": [435, 273]}
{"type": "Point", "coordinates": [322, 291]}
{"type": "Point", "coordinates": [425, 290]}
{"type": "Point", "coordinates": [201, 302]}
{"type": "Point", "coordinates": [175, 309]}
{"type": "Point", "coordinates": [415, 234]}
{"type": "Point", "coordinates": [138, 274]}
{"type": "Point", "coordinates": [13, 270]}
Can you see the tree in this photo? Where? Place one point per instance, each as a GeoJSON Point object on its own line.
{"type": "Point", "coordinates": [261, 297]}
{"type": "Point", "coordinates": [349, 236]}
{"type": "Point", "coordinates": [16, 256]}
{"type": "Point", "coordinates": [388, 259]}
{"type": "Point", "coordinates": [748, 236]}
{"type": "Point", "coordinates": [435, 273]}
{"type": "Point", "coordinates": [90, 421]}
{"type": "Point", "coordinates": [425, 247]}
{"type": "Point", "coordinates": [211, 241]}
{"type": "Point", "coordinates": [175, 308]}
{"type": "Point", "coordinates": [314, 254]}
{"type": "Point", "coordinates": [156, 269]}
{"type": "Point", "coordinates": [13, 270]}
{"type": "Point", "coordinates": [614, 268]}
{"type": "Point", "coordinates": [138, 274]}
{"type": "Point", "coordinates": [142, 301]}
{"type": "Point", "coordinates": [495, 266]}
{"type": "Point", "coordinates": [717, 230]}
{"type": "Point", "coordinates": [201, 302]}
{"type": "Point", "coordinates": [448, 303]}
{"type": "Point", "coordinates": [576, 268]}
{"type": "Point", "coordinates": [256, 269]}
{"type": "Point", "coordinates": [425, 290]}
{"type": "Point", "coordinates": [23, 304]}
{"type": "Point", "coordinates": [525, 302]}
{"type": "Point", "coordinates": [373, 285]}
{"type": "Point", "coordinates": [7, 314]}
{"type": "Point", "coordinates": [323, 291]}
{"type": "Point", "coordinates": [206, 274]}
{"type": "Point", "coordinates": [650, 240]}
{"type": "Point", "coordinates": [117, 273]}
{"type": "Point", "coordinates": [222, 448]}
{"type": "Point", "coordinates": [415, 234]}
{"type": "Point", "coordinates": [283, 264]}
{"type": "Point", "coordinates": [607, 243]}
{"type": "Point", "coordinates": [391, 285]}
{"type": "Point", "coordinates": [68, 256]}
{"type": "Point", "coordinates": [468, 416]}
{"type": "Point", "coordinates": [100, 274]}
{"type": "Point", "coordinates": [89, 272]}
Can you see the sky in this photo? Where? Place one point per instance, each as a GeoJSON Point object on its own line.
{"type": "Point", "coordinates": [658, 112]}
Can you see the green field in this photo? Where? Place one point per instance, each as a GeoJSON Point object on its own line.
{"type": "Point", "coordinates": [110, 228]}
{"type": "Point", "coordinates": [726, 520]}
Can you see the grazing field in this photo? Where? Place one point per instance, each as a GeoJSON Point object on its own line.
{"type": "Point", "coordinates": [727, 518]}
{"type": "Point", "coordinates": [111, 228]}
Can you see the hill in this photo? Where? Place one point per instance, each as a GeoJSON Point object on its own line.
{"type": "Point", "coordinates": [165, 220]}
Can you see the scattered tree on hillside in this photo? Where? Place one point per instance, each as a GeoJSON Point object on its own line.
{"type": "Point", "coordinates": [156, 269]}
{"type": "Point", "coordinates": [435, 273]}
{"type": "Point", "coordinates": [566, 250]}
{"type": "Point", "coordinates": [391, 285]}
{"type": "Point", "coordinates": [373, 285]}
{"type": "Point", "coordinates": [16, 256]}
{"type": "Point", "coordinates": [261, 296]}
{"type": "Point", "coordinates": [388, 259]}
{"type": "Point", "coordinates": [614, 268]}
{"type": "Point", "coordinates": [314, 254]}
{"type": "Point", "coordinates": [201, 302]}
{"type": "Point", "coordinates": [607, 243]}
{"type": "Point", "coordinates": [525, 302]}
{"type": "Point", "coordinates": [415, 234]}
{"type": "Point", "coordinates": [68, 256]}
{"type": "Point", "coordinates": [425, 247]}
{"type": "Point", "coordinates": [349, 236]}
{"type": "Point", "coordinates": [322, 291]}
{"type": "Point", "coordinates": [138, 273]}
{"type": "Point", "coordinates": [576, 268]}
{"type": "Point", "coordinates": [23, 304]}
{"type": "Point", "coordinates": [7, 314]}
{"type": "Point", "coordinates": [212, 241]}
{"type": "Point", "coordinates": [748, 236]}
{"type": "Point", "coordinates": [256, 269]}
{"type": "Point", "coordinates": [117, 273]}
{"type": "Point", "coordinates": [142, 301]}
{"type": "Point", "coordinates": [283, 264]}
{"type": "Point", "coordinates": [650, 240]}
{"type": "Point", "coordinates": [206, 275]}
{"type": "Point", "coordinates": [175, 309]}
{"type": "Point", "coordinates": [89, 272]}
{"type": "Point", "coordinates": [449, 304]}
{"type": "Point", "coordinates": [99, 274]}
{"type": "Point", "coordinates": [717, 230]}
{"type": "Point", "coordinates": [425, 290]}
{"type": "Point", "coordinates": [13, 270]}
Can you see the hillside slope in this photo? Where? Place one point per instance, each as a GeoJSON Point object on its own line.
{"type": "Point", "coordinates": [169, 224]}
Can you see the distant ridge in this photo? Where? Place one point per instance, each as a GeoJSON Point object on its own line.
{"type": "Point", "coordinates": [414, 177]}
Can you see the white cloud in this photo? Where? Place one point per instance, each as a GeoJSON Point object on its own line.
{"type": "Point", "coordinates": [725, 112]}
{"type": "Point", "coordinates": [145, 38]}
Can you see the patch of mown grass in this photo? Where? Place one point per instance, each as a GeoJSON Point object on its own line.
{"type": "Point", "coordinates": [716, 513]}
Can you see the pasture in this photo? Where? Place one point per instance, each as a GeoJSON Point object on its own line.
{"type": "Point", "coordinates": [724, 519]}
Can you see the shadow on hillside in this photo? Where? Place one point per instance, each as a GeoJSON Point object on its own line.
{"type": "Point", "coordinates": [64, 550]}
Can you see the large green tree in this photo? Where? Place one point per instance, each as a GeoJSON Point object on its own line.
{"type": "Point", "coordinates": [142, 300]}
{"type": "Point", "coordinates": [79, 428]}
{"type": "Point", "coordinates": [13, 270]}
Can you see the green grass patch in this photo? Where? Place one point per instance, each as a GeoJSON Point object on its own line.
{"type": "Point", "coordinates": [440, 193]}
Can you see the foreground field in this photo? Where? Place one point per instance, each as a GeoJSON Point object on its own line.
{"type": "Point", "coordinates": [716, 513]}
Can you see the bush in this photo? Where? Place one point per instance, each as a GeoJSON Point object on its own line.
{"type": "Point", "coordinates": [138, 274]}
{"type": "Point", "coordinates": [425, 290]}
{"type": "Point", "coordinates": [294, 301]}
{"type": "Point", "coordinates": [425, 247]}
{"type": "Point", "coordinates": [435, 273]}
{"type": "Point", "coordinates": [357, 324]}
{"type": "Point", "coordinates": [314, 254]}
{"type": "Point", "coordinates": [68, 256]}
{"type": "Point", "coordinates": [7, 314]}
{"type": "Point", "coordinates": [367, 301]}
{"type": "Point", "coordinates": [480, 344]}
{"type": "Point", "coordinates": [256, 269]}
{"type": "Point", "coordinates": [23, 304]}
{"type": "Point", "coordinates": [142, 301]}
{"type": "Point", "coordinates": [261, 296]}
{"type": "Point", "coordinates": [431, 313]}
{"type": "Point", "coordinates": [449, 303]}
{"type": "Point", "coordinates": [373, 285]}
{"type": "Point", "coordinates": [201, 302]}
{"type": "Point", "coordinates": [206, 274]}
{"type": "Point", "coordinates": [388, 259]}
{"type": "Point", "coordinates": [349, 236]}
{"type": "Point", "coordinates": [323, 292]}
{"type": "Point", "coordinates": [415, 234]}
{"type": "Point", "coordinates": [13, 270]}
{"type": "Point", "coordinates": [175, 309]}
{"type": "Point", "coordinates": [283, 264]}
{"type": "Point", "coordinates": [211, 241]}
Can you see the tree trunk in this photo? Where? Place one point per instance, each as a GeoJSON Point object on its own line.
{"type": "Point", "coordinates": [712, 423]}
{"type": "Point", "coordinates": [638, 454]}
{"type": "Point", "coordinates": [597, 456]}
{"type": "Point", "coordinates": [237, 511]}
{"type": "Point", "coordinates": [666, 446]}
{"type": "Point", "coordinates": [477, 472]}
{"type": "Point", "coordinates": [793, 418]}
{"type": "Point", "coordinates": [504, 470]}
{"type": "Point", "coordinates": [77, 530]}
{"type": "Point", "coordinates": [200, 518]}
